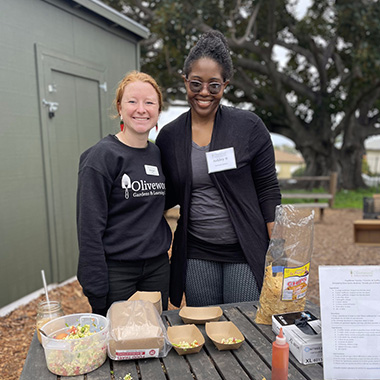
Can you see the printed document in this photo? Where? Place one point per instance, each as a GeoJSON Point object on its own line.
{"type": "Point", "coordinates": [350, 315]}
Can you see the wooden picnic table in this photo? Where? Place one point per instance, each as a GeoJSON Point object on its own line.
{"type": "Point", "coordinates": [251, 361]}
{"type": "Point", "coordinates": [313, 197]}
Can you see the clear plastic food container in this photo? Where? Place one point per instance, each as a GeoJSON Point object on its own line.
{"type": "Point", "coordinates": [70, 357]}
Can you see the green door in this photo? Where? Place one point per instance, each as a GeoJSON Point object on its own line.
{"type": "Point", "coordinates": [71, 113]}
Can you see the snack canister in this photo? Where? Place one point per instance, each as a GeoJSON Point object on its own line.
{"type": "Point", "coordinates": [46, 311]}
{"type": "Point", "coordinates": [71, 357]}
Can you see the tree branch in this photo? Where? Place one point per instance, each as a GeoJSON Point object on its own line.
{"type": "Point", "coordinates": [139, 4]}
{"type": "Point", "coordinates": [249, 46]}
{"type": "Point", "coordinates": [354, 104]}
{"type": "Point", "coordinates": [292, 84]}
{"type": "Point", "coordinates": [339, 65]}
{"type": "Point", "coordinates": [251, 23]}
{"type": "Point", "coordinates": [297, 49]}
{"type": "Point", "coordinates": [319, 64]}
{"type": "Point", "coordinates": [329, 51]}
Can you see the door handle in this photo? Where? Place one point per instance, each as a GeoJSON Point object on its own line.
{"type": "Point", "coordinates": [52, 107]}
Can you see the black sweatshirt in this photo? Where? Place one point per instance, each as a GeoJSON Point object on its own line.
{"type": "Point", "coordinates": [250, 192]}
{"type": "Point", "coordinates": [120, 204]}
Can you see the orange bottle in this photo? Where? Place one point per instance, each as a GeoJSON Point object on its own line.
{"type": "Point", "coordinates": [280, 357]}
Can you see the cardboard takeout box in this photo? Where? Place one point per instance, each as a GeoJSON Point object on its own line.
{"type": "Point", "coordinates": [217, 331]}
{"type": "Point", "coordinates": [200, 315]}
{"type": "Point", "coordinates": [136, 331]}
{"type": "Point", "coordinates": [154, 297]}
{"type": "Point", "coordinates": [185, 333]}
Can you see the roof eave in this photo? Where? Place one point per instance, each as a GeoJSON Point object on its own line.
{"type": "Point", "coordinates": [116, 17]}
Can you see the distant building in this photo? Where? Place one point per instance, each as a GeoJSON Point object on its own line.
{"type": "Point", "coordinates": [372, 147]}
{"type": "Point", "coordinates": [287, 163]}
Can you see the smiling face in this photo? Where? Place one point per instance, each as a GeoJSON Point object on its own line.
{"type": "Point", "coordinates": [203, 104]}
{"type": "Point", "coordinates": [139, 108]}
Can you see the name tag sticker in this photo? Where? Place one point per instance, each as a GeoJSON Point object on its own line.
{"type": "Point", "coordinates": [220, 160]}
{"type": "Point", "coordinates": [151, 170]}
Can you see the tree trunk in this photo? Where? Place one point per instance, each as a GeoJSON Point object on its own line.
{"type": "Point", "coordinates": [350, 163]}
{"type": "Point", "coordinates": [319, 162]}
{"type": "Point", "coordinates": [351, 155]}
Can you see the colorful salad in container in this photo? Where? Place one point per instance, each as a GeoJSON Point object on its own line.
{"type": "Point", "coordinates": [76, 349]}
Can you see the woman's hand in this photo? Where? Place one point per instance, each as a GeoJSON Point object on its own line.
{"type": "Point", "coordinates": [270, 228]}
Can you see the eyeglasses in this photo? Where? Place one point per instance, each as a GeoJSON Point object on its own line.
{"type": "Point", "coordinates": [213, 88]}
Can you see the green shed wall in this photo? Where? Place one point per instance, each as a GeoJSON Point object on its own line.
{"type": "Point", "coordinates": [27, 29]}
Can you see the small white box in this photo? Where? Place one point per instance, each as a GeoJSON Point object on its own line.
{"type": "Point", "coordinates": [306, 348]}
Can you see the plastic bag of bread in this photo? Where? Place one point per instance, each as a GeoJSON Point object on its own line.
{"type": "Point", "coordinates": [287, 263]}
{"type": "Point", "coordinates": [136, 331]}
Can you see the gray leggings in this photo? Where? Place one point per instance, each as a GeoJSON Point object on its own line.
{"type": "Point", "coordinates": [212, 283]}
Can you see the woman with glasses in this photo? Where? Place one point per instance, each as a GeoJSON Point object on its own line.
{"type": "Point", "coordinates": [219, 167]}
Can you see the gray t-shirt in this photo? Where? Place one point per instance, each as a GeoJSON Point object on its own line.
{"type": "Point", "coordinates": [209, 219]}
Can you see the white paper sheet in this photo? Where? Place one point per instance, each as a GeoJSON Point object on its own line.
{"type": "Point", "coordinates": [350, 315]}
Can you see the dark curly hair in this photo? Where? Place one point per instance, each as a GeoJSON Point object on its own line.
{"type": "Point", "coordinates": [211, 45]}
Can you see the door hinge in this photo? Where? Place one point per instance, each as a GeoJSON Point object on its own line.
{"type": "Point", "coordinates": [103, 86]}
{"type": "Point", "coordinates": [52, 88]}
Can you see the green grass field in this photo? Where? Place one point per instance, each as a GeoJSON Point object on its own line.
{"type": "Point", "coordinates": [353, 198]}
{"type": "Point", "coordinates": [343, 198]}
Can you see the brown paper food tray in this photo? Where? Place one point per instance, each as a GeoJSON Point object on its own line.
{"type": "Point", "coordinates": [154, 297]}
{"type": "Point", "coordinates": [200, 315]}
{"type": "Point", "coordinates": [217, 331]}
{"type": "Point", "coordinates": [187, 333]}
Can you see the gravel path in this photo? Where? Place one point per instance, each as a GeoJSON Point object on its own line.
{"type": "Point", "coordinates": [333, 245]}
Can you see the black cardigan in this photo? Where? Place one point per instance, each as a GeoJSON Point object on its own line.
{"type": "Point", "coordinates": [250, 192]}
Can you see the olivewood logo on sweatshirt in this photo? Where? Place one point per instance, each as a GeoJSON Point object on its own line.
{"type": "Point", "coordinates": [141, 188]}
